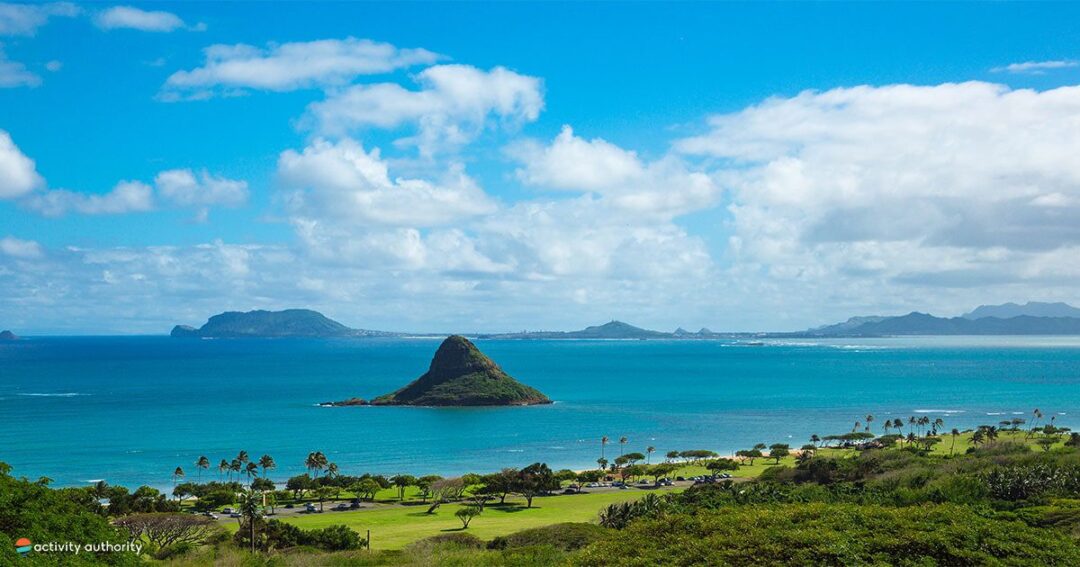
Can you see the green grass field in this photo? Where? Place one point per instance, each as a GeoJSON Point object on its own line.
{"type": "Point", "coordinates": [394, 527]}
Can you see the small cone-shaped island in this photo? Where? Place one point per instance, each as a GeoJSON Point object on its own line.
{"type": "Point", "coordinates": [459, 375]}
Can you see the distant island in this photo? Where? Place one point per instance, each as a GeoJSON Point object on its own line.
{"type": "Point", "coordinates": [8, 336]}
{"type": "Point", "coordinates": [459, 375]}
{"type": "Point", "coordinates": [287, 323]}
{"type": "Point", "coordinates": [1032, 318]}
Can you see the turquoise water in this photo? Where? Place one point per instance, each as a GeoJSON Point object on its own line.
{"type": "Point", "coordinates": [130, 409]}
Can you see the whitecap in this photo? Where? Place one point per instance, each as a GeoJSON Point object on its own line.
{"type": "Point", "coordinates": [945, 411]}
{"type": "Point", "coordinates": [52, 395]}
{"type": "Point", "coordinates": [515, 450]}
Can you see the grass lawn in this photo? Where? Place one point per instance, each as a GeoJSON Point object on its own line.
{"type": "Point", "coordinates": [395, 527]}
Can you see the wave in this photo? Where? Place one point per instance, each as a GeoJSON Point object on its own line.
{"type": "Point", "coordinates": [53, 395]}
{"type": "Point", "coordinates": [945, 411]}
{"type": "Point", "coordinates": [515, 450]}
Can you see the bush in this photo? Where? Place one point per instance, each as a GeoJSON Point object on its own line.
{"type": "Point", "coordinates": [458, 539]}
{"type": "Point", "coordinates": [832, 534]}
{"type": "Point", "coordinates": [566, 537]}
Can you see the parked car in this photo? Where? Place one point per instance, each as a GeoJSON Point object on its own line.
{"type": "Point", "coordinates": [226, 510]}
{"type": "Point", "coordinates": [341, 507]}
{"type": "Point", "coordinates": [354, 505]}
{"type": "Point", "coordinates": [211, 515]}
{"type": "Point", "coordinates": [309, 507]}
{"type": "Point", "coordinates": [679, 478]}
{"type": "Point", "coordinates": [592, 485]}
{"type": "Point", "coordinates": [235, 515]}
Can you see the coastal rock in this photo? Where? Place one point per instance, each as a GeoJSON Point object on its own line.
{"type": "Point", "coordinates": [8, 336]}
{"type": "Point", "coordinates": [461, 375]}
{"type": "Point", "coordinates": [184, 331]}
{"type": "Point", "coordinates": [345, 403]}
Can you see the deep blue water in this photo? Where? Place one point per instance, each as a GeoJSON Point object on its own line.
{"type": "Point", "coordinates": [131, 409]}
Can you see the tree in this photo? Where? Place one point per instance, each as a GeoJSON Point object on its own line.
{"type": "Point", "coordinates": [633, 458]}
{"type": "Point", "coordinates": [299, 484]}
{"type": "Point", "coordinates": [778, 451]}
{"type": "Point", "coordinates": [466, 514]}
{"type": "Point", "coordinates": [243, 457]}
{"type": "Point", "coordinates": [672, 455]}
{"type": "Point", "coordinates": [177, 475]}
{"type": "Point", "coordinates": [661, 470]}
{"type": "Point", "coordinates": [723, 465]}
{"type": "Point", "coordinates": [267, 463]}
{"type": "Point", "coordinates": [164, 531]}
{"type": "Point", "coordinates": [182, 491]}
{"type": "Point", "coordinates": [1046, 442]}
{"type": "Point", "coordinates": [251, 470]}
{"type": "Point", "coordinates": [315, 462]}
{"type": "Point", "coordinates": [603, 443]}
{"type": "Point", "coordinates": [323, 493]}
{"type": "Point", "coordinates": [750, 454]}
{"type": "Point", "coordinates": [533, 480]}
{"type": "Point", "coordinates": [622, 444]}
{"type": "Point", "coordinates": [816, 440]}
{"type": "Point", "coordinates": [250, 512]}
{"type": "Point", "coordinates": [648, 454]}
{"type": "Point", "coordinates": [424, 484]}
{"type": "Point", "coordinates": [403, 481]}
{"type": "Point", "coordinates": [602, 463]}
{"type": "Point", "coordinates": [366, 489]}
{"type": "Point", "coordinates": [500, 484]}
{"type": "Point", "coordinates": [201, 465]}
{"type": "Point", "coordinates": [222, 468]}
{"type": "Point", "coordinates": [955, 433]}
{"type": "Point", "coordinates": [869, 419]}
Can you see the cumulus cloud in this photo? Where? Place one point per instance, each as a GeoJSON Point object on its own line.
{"type": "Point", "coordinates": [18, 174]}
{"type": "Point", "coordinates": [25, 19]}
{"type": "Point", "coordinates": [453, 104]}
{"type": "Point", "coordinates": [14, 74]}
{"type": "Point", "coordinates": [129, 17]}
{"type": "Point", "coordinates": [340, 180]}
{"type": "Point", "coordinates": [24, 249]}
{"type": "Point", "coordinates": [290, 66]}
{"type": "Point", "coordinates": [125, 197]}
{"type": "Point", "coordinates": [897, 183]}
{"type": "Point", "coordinates": [184, 188]}
{"type": "Point", "coordinates": [1035, 67]}
{"type": "Point", "coordinates": [663, 188]}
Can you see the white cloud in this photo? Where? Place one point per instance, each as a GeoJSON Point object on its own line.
{"type": "Point", "coordinates": [454, 103]}
{"type": "Point", "coordinates": [125, 197]}
{"type": "Point", "coordinates": [1035, 67]}
{"type": "Point", "coordinates": [290, 66]}
{"type": "Point", "coordinates": [870, 187]}
{"type": "Point", "coordinates": [184, 188]}
{"type": "Point", "coordinates": [18, 174]}
{"type": "Point", "coordinates": [24, 249]}
{"type": "Point", "coordinates": [54, 66]}
{"type": "Point", "coordinates": [342, 181]}
{"type": "Point", "coordinates": [664, 188]}
{"type": "Point", "coordinates": [14, 74]}
{"type": "Point", "coordinates": [129, 17]}
{"type": "Point", "coordinates": [25, 19]}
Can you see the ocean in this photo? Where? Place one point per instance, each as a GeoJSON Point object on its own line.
{"type": "Point", "coordinates": [129, 410]}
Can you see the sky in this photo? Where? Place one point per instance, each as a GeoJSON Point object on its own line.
{"type": "Point", "coordinates": [466, 167]}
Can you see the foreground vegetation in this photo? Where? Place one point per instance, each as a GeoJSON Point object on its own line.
{"type": "Point", "coordinates": [996, 495]}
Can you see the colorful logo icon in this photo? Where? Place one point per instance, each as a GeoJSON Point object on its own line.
{"type": "Point", "coordinates": [23, 546]}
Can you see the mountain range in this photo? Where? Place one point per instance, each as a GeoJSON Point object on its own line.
{"type": "Point", "coordinates": [1032, 318]}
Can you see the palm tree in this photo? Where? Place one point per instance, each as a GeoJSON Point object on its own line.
{"type": "Point", "coordinates": [251, 470]}
{"type": "Point", "coordinates": [242, 456]}
{"type": "Point", "coordinates": [955, 432]}
{"type": "Point", "coordinates": [603, 443]}
{"type": "Point", "coordinates": [857, 425]}
{"type": "Point", "coordinates": [869, 419]}
{"type": "Point", "coordinates": [177, 475]}
{"type": "Point", "coordinates": [331, 470]}
{"type": "Point", "coordinates": [938, 424]}
{"type": "Point", "coordinates": [602, 462]}
{"type": "Point", "coordinates": [648, 454]}
{"type": "Point", "coordinates": [235, 467]}
{"type": "Point", "coordinates": [315, 462]}
{"type": "Point", "coordinates": [267, 463]}
{"type": "Point", "coordinates": [622, 445]}
{"type": "Point", "coordinates": [815, 439]}
{"type": "Point", "coordinates": [912, 422]}
{"type": "Point", "coordinates": [887, 426]}
{"type": "Point", "coordinates": [249, 510]}
{"type": "Point", "coordinates": [200, 465]}
{"type": "Point", "coordinates": [222, 467]}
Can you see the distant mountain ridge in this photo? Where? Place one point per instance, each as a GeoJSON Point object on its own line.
{"type": "Point", "coordinates": [1031, 309]}
{"type": "Point", "coordinates": [610, 330]}
{"type": "Point", "coordinates": [1007, 319]}
{"type": "Point", "coordinates": [287, 323]}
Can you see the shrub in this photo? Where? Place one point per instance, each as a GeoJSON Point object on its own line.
{"type": "Point", "coordinates": [836, 534]}
{"type": "Point", "coordinates": [566, 537]}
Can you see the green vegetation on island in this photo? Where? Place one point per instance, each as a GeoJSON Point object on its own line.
{"type": "Point", "coordinates": [287, 323]}
{"type": "Point", "coordinates": [461, 375]}
{"type": "Point", "coordinates": [8, 336]}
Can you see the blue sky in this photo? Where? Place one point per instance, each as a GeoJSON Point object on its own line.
{"type": "Point", "coordinates": [547, 165]}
